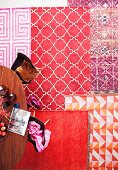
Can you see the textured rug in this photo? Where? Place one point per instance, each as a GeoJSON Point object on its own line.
{"type": "Point", "coordinates": [93, 3]}
{"type": "Point", "coordinates": [60, 48]}
{"type": "Point", "coordinates": [103, 111]}
{"type": "Point", "coordinates": [104, 51]}
{"type": "Point", "coordinates": [68, 147]}
{"type": "Point", "coordinates": [14, 34]}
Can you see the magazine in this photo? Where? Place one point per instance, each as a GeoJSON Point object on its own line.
{"type": "Point", "coordinates": [18, 121]}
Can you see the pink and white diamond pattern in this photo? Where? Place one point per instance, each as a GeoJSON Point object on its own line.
{"type": "Point", "coordinates": [103, 111]}
{"type": "Point", "coordinates": [60, 48]}
{"type": "Point", "coordinates": [14, 34]}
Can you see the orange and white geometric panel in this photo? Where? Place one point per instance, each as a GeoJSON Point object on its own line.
{"type": "Point", "coordinates": [14, 34]}
{"type": "Point", "coordinates": [104, 139]}
{"type": "Point", "coordinates": [103, 112]}
{"type": "Point", "coordinates": [91, 102]}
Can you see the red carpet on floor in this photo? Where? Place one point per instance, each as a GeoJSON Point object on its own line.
{"type": "Point", "coordinates": [68, 147]}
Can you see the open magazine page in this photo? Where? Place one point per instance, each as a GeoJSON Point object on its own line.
{"type": "Point", "coordinates": [18, 121]}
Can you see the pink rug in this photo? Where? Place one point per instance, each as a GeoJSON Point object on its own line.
{"type": "Point", "coordinates": [60, 48]}
{"type": "Point", "coordinates": [93, 3]}
{"type": "Point", "coordinates": [14, 34]}
{"type": "Point", "coordinates": [104, 55]}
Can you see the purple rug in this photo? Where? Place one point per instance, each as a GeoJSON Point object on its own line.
{"type": "Point", "coordinates": [104, 51]}
{"type": "Point", "coordinates": [93, 3]}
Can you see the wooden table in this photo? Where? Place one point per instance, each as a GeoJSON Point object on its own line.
{"type": "Point", "coordinates": [12, 147]}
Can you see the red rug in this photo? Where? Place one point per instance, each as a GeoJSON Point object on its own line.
{"type": "Point", "coordinates": [60, 48]}
{"type": "Point", "coordinates": [68, 146]}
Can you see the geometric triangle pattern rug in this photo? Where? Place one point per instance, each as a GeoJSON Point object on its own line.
{"type": "Point", "coordinates": [60, 48]}
{"type": "Point", "coordinates": [103, 112]}
{"type": "Point", "coordinates": [68, 146]}
{"type": "Point", "coordinates": [104, 139]}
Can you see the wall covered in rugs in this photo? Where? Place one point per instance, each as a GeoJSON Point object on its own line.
{"type": "Point", "coordinates": [76, 51]}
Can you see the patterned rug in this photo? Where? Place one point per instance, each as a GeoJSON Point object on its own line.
{"type": "Point", "coordinates": [67, 149]}
{"type": "Point", "coordinates": [61, 40]}
{"type": "Point", "coordinates": [93, 3]}
{"type": "Point", "coordinates": [103, 111]}
{"type": "Point", "coordinates": [60, 48]}
{"type": "Point", "coordinates": [104, 51]}
{"type": "Point", "coordinates": [15, 34]}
